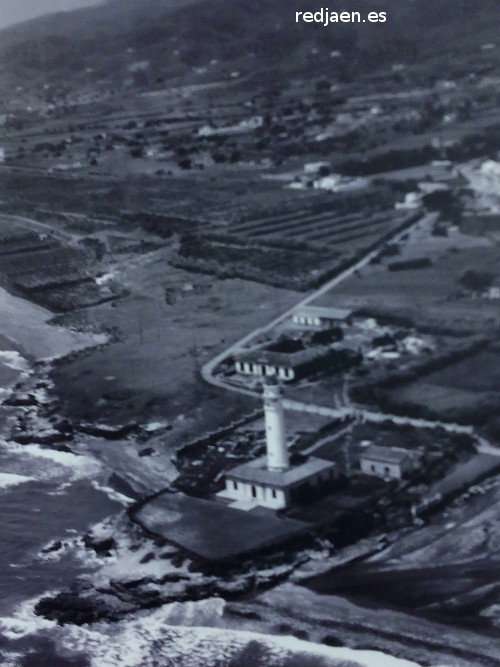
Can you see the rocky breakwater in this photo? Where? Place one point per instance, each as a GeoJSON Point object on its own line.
{"type": "Point", "coordinates": [139, 571]}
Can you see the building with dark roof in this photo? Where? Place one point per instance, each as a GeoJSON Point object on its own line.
{"type": "Point", "coordinates": [291, 366]}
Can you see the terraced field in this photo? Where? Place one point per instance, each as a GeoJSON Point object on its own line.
{"type": "Point", "coordinates": [321, 227]}
{"type": "Point", "coordinates": [14, 239]}
{"type": "Point", "coordinates": [48, 272]}
{"type": "Point", "coordinates": [302, 244]}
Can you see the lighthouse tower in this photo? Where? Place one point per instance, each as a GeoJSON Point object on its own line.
{"type": "Point", "coordinates": [277, 451]}
{"type": "Point", "coordinates": [270, 481]}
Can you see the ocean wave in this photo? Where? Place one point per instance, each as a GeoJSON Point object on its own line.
{"type": "Point", "coordinates": [44, 464]}
{"type": "Point", "coordinates": [148, 641]}
{"type": "Point", "coordinates": [8, 479]}
{"type": "Point", "coordinates": [14, 360]}
{"type": "Point", "coordinates": [24, 621]}
{"type": "Point", "coordinates": [112, 494]}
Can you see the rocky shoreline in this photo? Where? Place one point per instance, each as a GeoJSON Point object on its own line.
{"type": "Point", "coordinates": [135, 571]}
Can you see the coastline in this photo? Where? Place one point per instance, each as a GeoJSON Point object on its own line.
{"type": "Point", "coordinates": [28, 327]}
{"type": "Point", "coordinates": [140, 574]}
{"type": "Point", "coordinates": [36, 471]}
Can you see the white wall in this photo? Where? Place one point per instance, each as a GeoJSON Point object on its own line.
{"type": "Point", "coordinates": [264, 494]}
{"type": "Point", "coordinates": [380, 469]}
{"type": "Point", "coordinates": [276, 443]}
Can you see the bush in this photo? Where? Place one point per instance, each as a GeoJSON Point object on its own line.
{"type": "Point", "coordinates": [417, 263]}
{"type": "Point", "coordinates": [476, 280]}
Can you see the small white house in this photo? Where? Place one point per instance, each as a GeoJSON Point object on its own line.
{"type": "Point", "coordinates": [386, 462]}
{"type": "Point", "coordinates": [317, 317]}
{"type": "Point", "coordinates": [494, 292]}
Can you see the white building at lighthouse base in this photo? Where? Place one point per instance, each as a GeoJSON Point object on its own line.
{"type": "Point", "coordinates": [254, 484]}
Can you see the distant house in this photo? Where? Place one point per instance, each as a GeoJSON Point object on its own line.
{"type": "Point", "coordinates": [317, 317]}
{"type": "Point", "coordinates": [493, 291]}
{"type": "Point", "coordinates": [386, 462]}
{"type": "Point", "coordinates": [266, 364]}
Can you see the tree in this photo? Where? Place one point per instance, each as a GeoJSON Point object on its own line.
{"type": "Point", "coordinates": [475, 280]}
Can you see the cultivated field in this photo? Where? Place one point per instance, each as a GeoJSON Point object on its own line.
{"type": "Point", "coordinates": [432, 295]}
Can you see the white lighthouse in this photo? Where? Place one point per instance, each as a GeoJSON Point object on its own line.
{"type": "Point", "coordinates": [277, 451]}
{"type": "Point", "coordinates": [270, 481]}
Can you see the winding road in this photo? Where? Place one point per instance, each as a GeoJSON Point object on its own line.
{"type": "Point", "coordinates": [207, 371]}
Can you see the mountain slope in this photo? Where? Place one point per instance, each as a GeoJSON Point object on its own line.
{"type": "Point", "coordinates": [177, 35]}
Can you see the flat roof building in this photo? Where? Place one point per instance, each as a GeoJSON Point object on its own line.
{"type": "Point", "coordinates": [255, 484]}
{"type": "Point", "coordinates": [386, 462]}
{"type": "Point", "coordinates": [319, 317]}
{"type": "Point", "coordinates": [290, 366]}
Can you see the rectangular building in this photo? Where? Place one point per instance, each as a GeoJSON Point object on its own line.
{"type": "Point", "coordinates": [318, 317]}
{"type": "Point", "coordinates": [288, 367]}
{"type": "Point", "coordinates": [256, 484]}
{"type": "Point", "coordinates": [386, 462]}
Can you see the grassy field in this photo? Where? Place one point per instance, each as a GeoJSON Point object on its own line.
{"type": "Point", "coordinates": [459, 388]}
{"type": "Point", "coordinates": [480, 373]}
{"type": "Point", "coordinates": [431, 295]}
{"type": "Point", "coordinates": [152, 371]}
{"type": "Point", "coordinates": [441, 400]}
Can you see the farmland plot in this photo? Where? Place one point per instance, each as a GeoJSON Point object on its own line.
{"type": "Point", "coordinates": [298, 247]}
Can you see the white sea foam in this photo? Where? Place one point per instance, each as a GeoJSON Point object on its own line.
{"type": "Point", "coordinates": [112, 494]}
{"type": "Point", "coordinates": [61, 489]}
{"type": "Point", "coordinates": [11, 659]}
{"type": "Point", "coordinates": [81, 466]}
{"type": "Point", "coordinates": [42, 464]}
{"type": "Point", "coordinates": [151, 427]}
{"type": "Point", "coordinates": [14, 360]}
{"type": "Point", "coordinates": [149, 640]}
{"type": "Point", "coordinates": [10, 479]}
{"type": "Point", "coordinates": [24, 621]}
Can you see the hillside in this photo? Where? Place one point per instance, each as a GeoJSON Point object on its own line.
{"type": "Point", "coordinates": [171, 38]}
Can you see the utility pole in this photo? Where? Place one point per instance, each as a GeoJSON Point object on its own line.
{"type": "Point", "coordinates": [346, 451]}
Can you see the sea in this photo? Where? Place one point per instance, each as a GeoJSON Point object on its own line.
{"type": "Point", "coordinates": [45, 496]}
